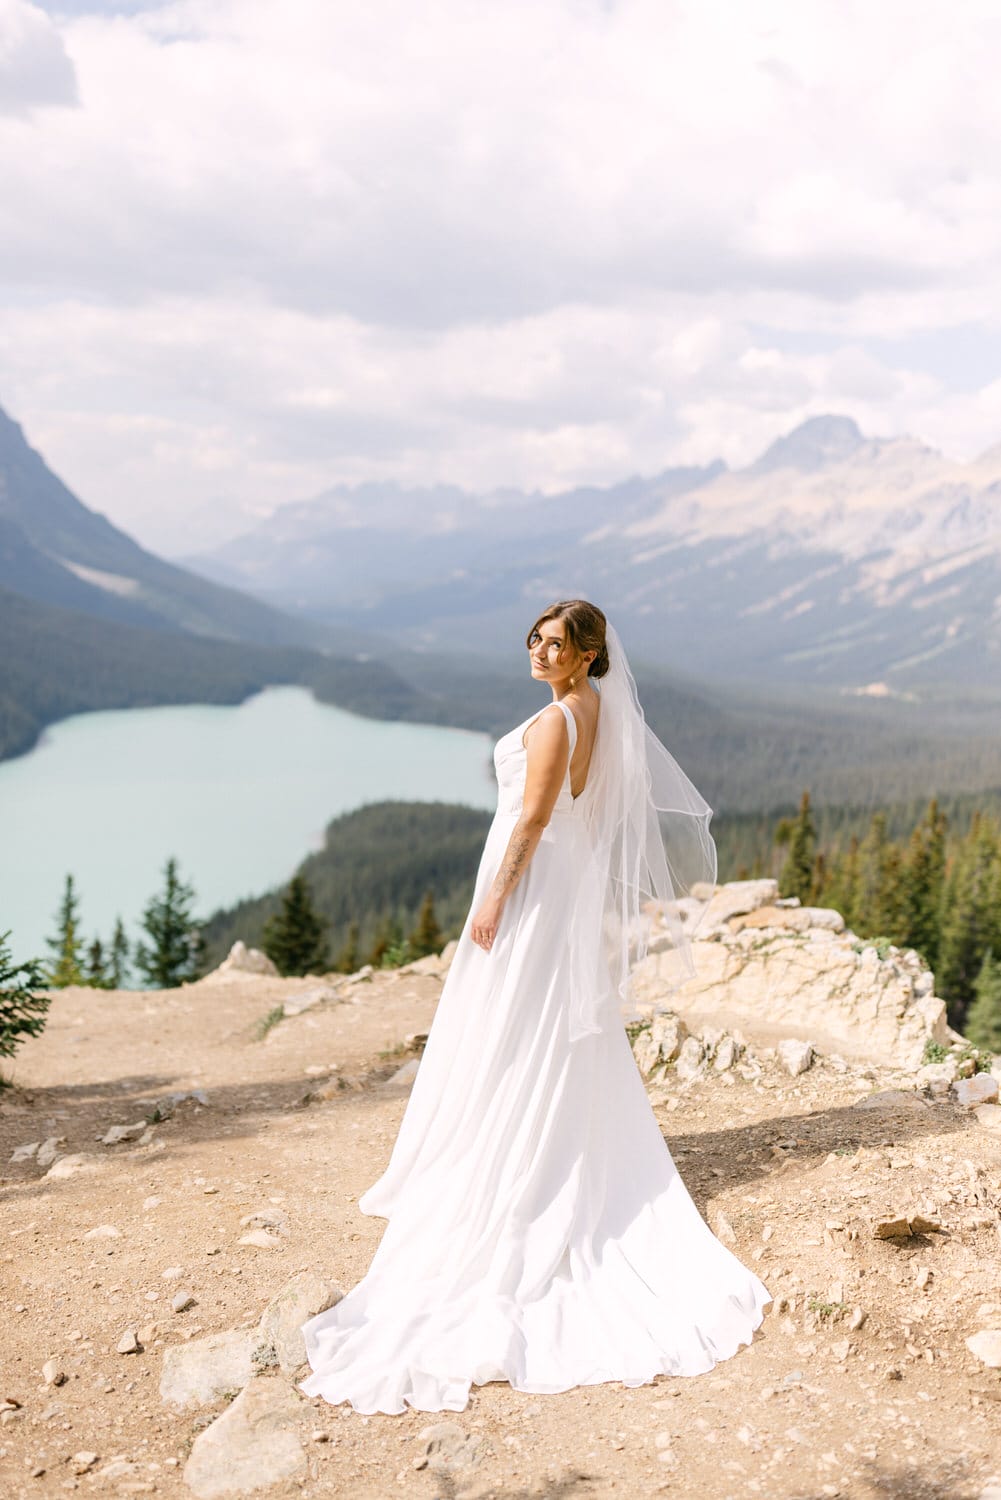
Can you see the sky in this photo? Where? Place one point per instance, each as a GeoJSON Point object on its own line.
{"type": "Point", "coordinates": [250, 250]}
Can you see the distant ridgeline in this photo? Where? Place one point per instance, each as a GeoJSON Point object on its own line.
{"type": "Point", "coordinates": [56, 662]}
{"type": "Point", "coordinates": [91, 620]}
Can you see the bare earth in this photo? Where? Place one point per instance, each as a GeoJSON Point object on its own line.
{"type": "Point", "coordinates": [859, 1382]}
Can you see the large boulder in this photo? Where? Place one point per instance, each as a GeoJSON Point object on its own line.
{"type": "Point", "coordinates": [819, 984]}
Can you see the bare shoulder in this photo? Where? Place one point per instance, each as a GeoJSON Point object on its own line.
{"type": "Point", "coordinates": [548, 733]}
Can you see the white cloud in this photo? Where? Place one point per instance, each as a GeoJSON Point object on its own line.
{"type": "Point", "coordinates": [35, 71]}
{"type": "Point", "coordinates": [518, 242]}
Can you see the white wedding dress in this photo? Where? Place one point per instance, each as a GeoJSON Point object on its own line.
{"type": "Point", "coordinates": [539, 1232]}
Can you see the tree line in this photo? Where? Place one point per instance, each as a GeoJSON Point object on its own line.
{"type": "Point", "coordinates": [935, 890]}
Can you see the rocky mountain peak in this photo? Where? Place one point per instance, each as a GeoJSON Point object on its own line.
{"type": "Point", "coordinates": [812, 445]}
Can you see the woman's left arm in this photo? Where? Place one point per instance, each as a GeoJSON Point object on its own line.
{"type": "Point", "coordinates": [548, 746]}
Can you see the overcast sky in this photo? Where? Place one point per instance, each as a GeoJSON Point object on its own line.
{"type": "Point", "coordinates": [250, 249]}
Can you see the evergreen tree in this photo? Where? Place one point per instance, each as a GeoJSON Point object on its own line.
{"type": "Point", "coordinates": [796, 878]}
{"type": "Point", "coordinates": [923, 883]}
{"type": "Point", "coordinates": [971, 917]}
{"type": "Point", "coordinates": [880, 904]}
{"type": "Point", "coordinates": [295, 937]}
{"type": "Point", "coordinates": [983, 1020]}
{"type": "Point", "coordinates": [390, 948]}
{"type": "Point", "coordinates": [380, 943]}
{"type": "Point", "coordinates": [22, 1012]}
{"type": "Point", "coordinates": [843, 883]}
{"type": "Point", "coordinates": [67, 967]}
{"type": "Point", "coordinates": [118, 962]}
{"type": "Point", "coordinates": [175, 951]}
{"type": "Point", "coordinates": [97, 975]}
{"type": "Point", "coordinates": [426, 936]}
{"type": "Point", "coordinates": [346, 961]}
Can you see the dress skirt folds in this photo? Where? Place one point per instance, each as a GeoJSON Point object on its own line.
{"type": "Point", "coordinates": [539, 1232]}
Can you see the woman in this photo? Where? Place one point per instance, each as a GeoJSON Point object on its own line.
{"type": "Point", "coordinates": [539, 1232]}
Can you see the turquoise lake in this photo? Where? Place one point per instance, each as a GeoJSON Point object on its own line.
{"type": "Point", "coordinates": [239, 794]}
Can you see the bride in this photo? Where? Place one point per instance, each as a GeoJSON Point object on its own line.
{"type": "Point", "coordinates": [539, 1232]}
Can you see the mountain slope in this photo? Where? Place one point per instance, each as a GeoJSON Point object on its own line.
{"type": "Point", "coordinates": [834, 558]}
{"type": "Point", "coordinates": [55, 550]}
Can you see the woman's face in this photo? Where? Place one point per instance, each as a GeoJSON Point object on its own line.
{"type": "Point", "coordinates": [553, 658]}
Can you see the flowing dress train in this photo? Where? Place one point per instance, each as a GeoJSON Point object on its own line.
{"type": "Point", "coordinates": [539, 1232]}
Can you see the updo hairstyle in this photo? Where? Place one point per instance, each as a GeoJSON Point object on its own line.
{"type": "Point", "coordinates": [585, 630]}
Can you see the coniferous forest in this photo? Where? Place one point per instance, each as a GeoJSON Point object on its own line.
{"type": "Point", "coordinates": [394, 880]}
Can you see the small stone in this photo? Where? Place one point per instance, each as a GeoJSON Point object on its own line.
{"type": "Point", "coordinates": [260, 1239]}
{"type": "Point", "coordinates": [857, 1319]}
{"type": "Point", "coordinates": [201, 1371]}
{"type": "Point", "coordinates": [980, 1089]}
{"type": "Point", "coordinates": [25, 1153]}
{"type": "Point", "coordinates": [103, 1232]}
{"type": "Point", "coordinates": [181, 1301]}
{"type": "Point", "coordinates": [986, 1346]}
{"type": "Point", "coordinates": [119, 1133]}
{"type": "Point", "coordinates": [128, 1343]}
{"type": "Point", "coordinates": [82, 1461]}
{"type": "Point", "coordinates": [80, 1162]}
{"type": "Point", "coordinates": [53, 1373]}
{"type": "Point", "coordinates": [892, 1099]}
{"type": "Point", "coordinates": [795, 1056]}
{"type": "Point", "coordinates": [938, 1078]}
{"type": "Point", "coordinates": [404, 1076]}
{"type": "Point", "coordinates": [689, 1063]}
{"type": "Point", "coordinates": [49, 1149]}
{"type": "Point", "coordinates": [172, 1273]}
{"type": "Point", "coordinates": [319, 1436]}
{"type": "Point", "coordinates": [841, 1350]}
{"type": "Point", "coordinates": [726, 1055]}
{"type": "Point", "coordinates": [988, 1115]}
{"type": "Point", "coordinates": [252, 1445]}
{"type": "Point", "coordinates": [892, 1229]}
{"type": "Point", "coordinates": [725, 1230]}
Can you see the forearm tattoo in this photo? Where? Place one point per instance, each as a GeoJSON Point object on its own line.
{"type": "Point", "coordinates": [513, 865]}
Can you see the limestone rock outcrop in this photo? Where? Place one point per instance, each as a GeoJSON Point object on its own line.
{"type": "Point", "coordinates": [780, 970]}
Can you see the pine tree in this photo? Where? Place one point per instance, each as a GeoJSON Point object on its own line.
{"type": "Point", "coordinates": [924, 877]}
{"type": "Point", "coordinates": [380, 943]}
{"type": "Point", "coordinates": [390, 948]}
{"type": "Point", "coordinates": [176, 948]}
{"type": "Point", "coordinates": [97, 976]}
{"type": "Point", "coordinates": [346, 961]}
{"type": "Point", "coordinates": [295, 937]}
{"type": "Point", "coordinates": [22, 1012]}
{"type": "Point", "coordinates": [67, 967]}
{"type": "Point", "coordinates": [426, 936]}
{"type": "Point", "coordinates": [881, 899]}
{"type": "Point", "coordinates": [971, 917]}
{"type": "Point", "coordinates": [843, 883]}
{"type": "Point", "coordinates": [800, 835]}
{"type": "Point", "coordinates": [118, 962]}
{"type": "Point", "coordinates": [983, 1020]}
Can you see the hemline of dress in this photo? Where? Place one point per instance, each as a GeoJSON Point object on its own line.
{"type": "Point", "coordinates": [543, 1388]}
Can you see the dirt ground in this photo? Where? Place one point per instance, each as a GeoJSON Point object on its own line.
{"type": "Point", "coordinates": [858, 1384]}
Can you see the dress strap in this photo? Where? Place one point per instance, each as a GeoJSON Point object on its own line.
{"type": "Point", "coordinates": [571, 725]}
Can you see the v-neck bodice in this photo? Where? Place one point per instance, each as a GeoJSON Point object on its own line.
{"type": "Point", "coordinates": [511, 764]}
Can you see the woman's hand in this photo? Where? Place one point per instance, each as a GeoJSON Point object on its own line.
{"type": "Point", "coordinates": [485, 923]}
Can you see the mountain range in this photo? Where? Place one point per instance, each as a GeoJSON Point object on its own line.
{"type": "Point", "coordinates": [395, 601]}
{"type": "Point", "coordinates": [867, 564]}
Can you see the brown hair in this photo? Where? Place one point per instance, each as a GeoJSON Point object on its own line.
{"type": "Point", "coordinates": [585, 628]}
